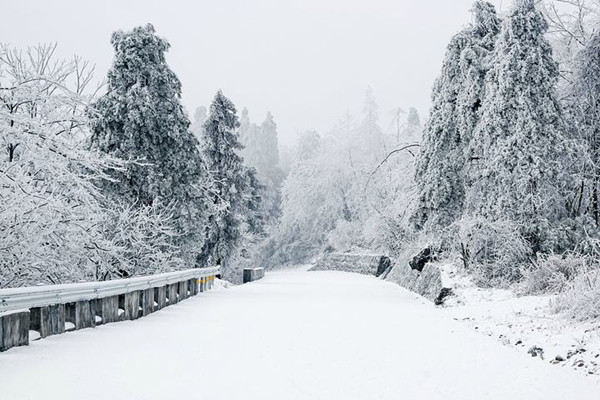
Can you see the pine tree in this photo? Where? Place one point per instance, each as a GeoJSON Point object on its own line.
{"type": "Point", "coordinates": [199, 120]}
{"type": "Point", "coordinates": [141, 119]}
{"type": "Point", "coordinates": [370, 135]}
{"type": "Point", "coordinates": [234, 199]}
{"type": "Point", "coordinates": [413, 126]}
{"type": "Point", "coordinates": [457, 97]}
{"type": "Point", "coordinates": [584, 102]}
{"type": "Point", "coordinates": [245, 132]}
{"type": "Point", "coordinates": [270, 145]}
{"type": "Point", "coordinates": [261, 152]}
{"type": "Point", "coordinates": [520, 137]}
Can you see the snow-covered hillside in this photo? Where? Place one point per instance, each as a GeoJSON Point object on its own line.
{"type": "Point", "coordinates": [530, 324]}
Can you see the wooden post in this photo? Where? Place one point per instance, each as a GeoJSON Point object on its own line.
{"type": "Point", "coordinates": [81, 314]}
{"type": "Point", "coordinates": [160, 296]}
{"type": "Point", "coordinates": [14, 330]}
{"type": "Point", "coordinates": [172, 293]}
{"type": "Point", "coordinates": [253, 274]}
{"type": "Point", "coordinates": [147, 301]}
{"type": "Point", "coordinates": [183, 290]}
{"type": "Point", "coordinates": [49, 320]}
{"type": "Point", "coordinates": [131, 305]}
{"type": "Point", "coordinates": [97, 310]}
{"type": "Point", "coordinates": [110, 309]}
{"type": "Point", "coordinates": [193, 284]}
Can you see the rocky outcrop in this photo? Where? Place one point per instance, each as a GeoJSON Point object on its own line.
{"type": "Point", "coordinates": [366, 264]}
{"type": "Point", "coordinates": [419, 274]}
{"type": "Point", "coordinates": [420, 260]}
{"type": "Point", "coordinates": [415, 271]}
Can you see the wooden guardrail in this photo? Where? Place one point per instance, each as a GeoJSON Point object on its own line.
{"type": "Point", "coordinates": [50, 309]}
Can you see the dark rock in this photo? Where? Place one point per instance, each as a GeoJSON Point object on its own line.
{"type": "Point", "coordinates": [536, 351]}
{"type": "Point", "coordinates": [384, 266]}
{"type": "Point", "coordinates": [444, 293]}
{"type": "Point", "coordinates": [421, 259]}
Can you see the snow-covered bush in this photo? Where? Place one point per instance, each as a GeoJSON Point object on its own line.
{"type": "Point", "coordinates": [55, 224]}
{"type": "Point", "coordinates": [552, 273]}
{"type": "Point", "coordinates": [493, 251]}
{"type": "Point", "coordinates": [138, 241]}
{"type": "Point", "coordinates": [582, 298]}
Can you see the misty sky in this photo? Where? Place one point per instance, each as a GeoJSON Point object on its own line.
{"type": "Point", "coordinates": [306, 61]}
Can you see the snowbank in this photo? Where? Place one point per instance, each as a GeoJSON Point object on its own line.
{"type": "Point", "coordinates": [530, 323]}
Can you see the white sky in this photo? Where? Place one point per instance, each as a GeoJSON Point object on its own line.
{"type": "Point", "coordinates": [306, 61]}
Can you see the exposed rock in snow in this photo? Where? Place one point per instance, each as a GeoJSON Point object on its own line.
{"type": "Point", "coordinates": [366, 264]}
{"type": "Point", "coordinates": [419, 274]}
{"type": "Point", "coordinates": [421, 259]}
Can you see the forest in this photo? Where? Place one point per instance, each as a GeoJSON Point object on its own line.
{"type": "Point", "coordinates": [110, 177]}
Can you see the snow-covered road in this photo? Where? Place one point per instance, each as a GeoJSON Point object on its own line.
{"type": "Point", "coordinates": [292, 335]}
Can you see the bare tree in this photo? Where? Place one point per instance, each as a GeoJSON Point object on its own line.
{"type": "Point", "coordinates": [55, 224]}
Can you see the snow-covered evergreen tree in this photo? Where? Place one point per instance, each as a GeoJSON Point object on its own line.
{"type": "Point", "coordinates": [457, 97]}
{"type": "Point", "coordinates": [270, 143]}
{"type": "Point", "coordinates": [141, 119]}
{"type": "Point", "coordinates": [55, 224]}
{"type": "Point", "coordinates": [246, 132]}
{"type": "Point", "coordinates": [412, 132]}
{"type": "Point", "coordinates": [520, 138]}
{"type": "Point", "coordinates": [584, 103]}
{"type": "Point", "coordinates": [234, 197]}
{"type": "Point", "coordinates": [261, 152]}
{"type": "Point", "coordinates": [199, 120]}
{"type": "Point", "coordinates": [370, 139]}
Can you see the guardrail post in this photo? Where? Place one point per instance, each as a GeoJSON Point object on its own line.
{"type": "Point", "coordinates": [131, 305]}
{"type": "Point", "coordinates": [253, 274]}
{"type": "Point", "coordinates": [110, 309]}
{"type": "Point", "coordinates": [160, 296]}
{"type": "Point", "coordinates": [183, 290]}
{"type": "Point", "coordinates": [82, 314]}
{"type": "Point", "coordinates": [49, 320]}
{"type": "Point", "coordinates": [172, 293]}
{"type": "Point", "coordinates": [193, 284]}
{"type": "Point", "coordinates": [147, 301]}
{"type": "Point", "coordinates": [91, 304]}
{"type": "Point", "coordinates": [14, 330]}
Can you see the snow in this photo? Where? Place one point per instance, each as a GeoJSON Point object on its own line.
{"type": "Point", "coordinates": [291, 335]}
{"type": "Point", "coordinates": [525, 323]}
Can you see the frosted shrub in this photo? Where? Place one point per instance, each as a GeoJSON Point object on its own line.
{"type": "Point", "coordinates": [553, 273]}
{"type": "Point", "coordinates": [343, 236]}
{"type": "Point", "coordinates": [582, 298]}
{"type": "Point", "coordinates": [494, 252]}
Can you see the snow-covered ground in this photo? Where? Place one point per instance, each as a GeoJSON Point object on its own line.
{"type": "Point", "coordinates": [527, 323]}
{"type": "Point", "coordinates": [292, 335]}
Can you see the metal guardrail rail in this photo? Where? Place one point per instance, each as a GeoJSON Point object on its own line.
{"type": "Point", "coordinates": [40, 296]}
{"type": "Point", "coordinates": [53, 309]}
